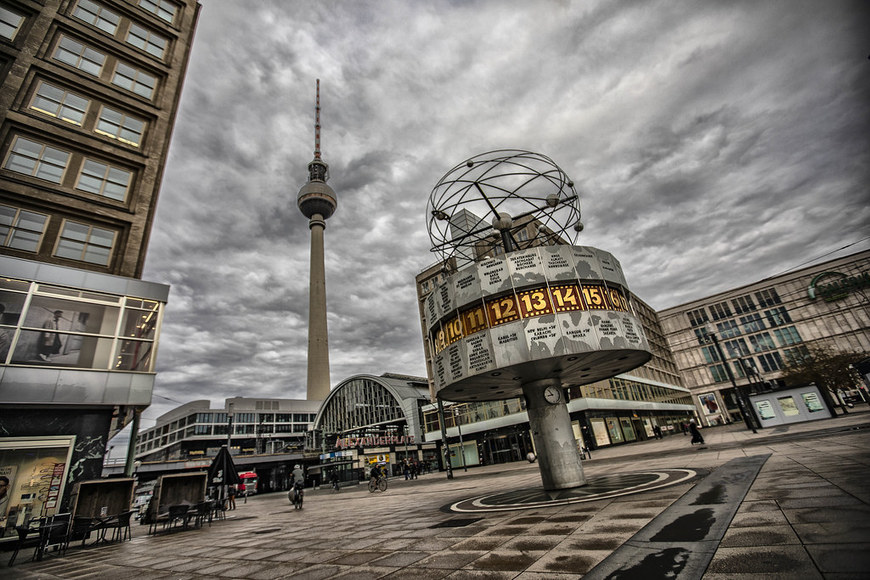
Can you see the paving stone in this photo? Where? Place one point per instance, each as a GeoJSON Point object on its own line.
{"type": "Point", "coordinates": [768, 535]}
{"type": "Point", "coordinates": [792, 560]}
{"type": "Point", "coordinates": [841, 558]}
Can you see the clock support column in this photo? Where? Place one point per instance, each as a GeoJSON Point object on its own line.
{"type": "Point", "coordinates": [550, 423]}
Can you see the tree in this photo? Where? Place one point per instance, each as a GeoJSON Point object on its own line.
{"type": "Point", "coordinates": [829, 369]}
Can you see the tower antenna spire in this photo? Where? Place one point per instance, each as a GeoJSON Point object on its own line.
{"type": "Point", "coordinates": [317, 123]}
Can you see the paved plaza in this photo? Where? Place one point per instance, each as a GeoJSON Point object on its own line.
{"type": "Point", "coordinates": [789, 502]}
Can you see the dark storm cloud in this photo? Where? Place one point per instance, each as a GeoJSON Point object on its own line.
{"type": "Point", "coordinates": [713, 144]}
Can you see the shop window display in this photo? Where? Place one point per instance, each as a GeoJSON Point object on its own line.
{"type": "Point", "coordinates": [32, 476]}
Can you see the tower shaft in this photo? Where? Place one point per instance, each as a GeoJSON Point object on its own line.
{"type": "Point", "coordinates": [318, 337]}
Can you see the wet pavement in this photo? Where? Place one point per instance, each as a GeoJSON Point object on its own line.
{"type": "Point", "coordinates": [785, 503]}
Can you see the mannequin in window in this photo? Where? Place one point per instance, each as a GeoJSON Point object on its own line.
{"type": "Point", "coordinates": [49, 342]}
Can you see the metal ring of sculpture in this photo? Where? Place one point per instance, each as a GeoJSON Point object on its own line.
{"type": "Point", "coordinates": [502, 191]}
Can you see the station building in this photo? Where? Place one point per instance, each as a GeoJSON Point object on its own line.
{"type": "Point", "coordinates": [742, 338]}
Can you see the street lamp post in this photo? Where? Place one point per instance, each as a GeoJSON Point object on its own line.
{"type": "Point", "coordinates": [744, 408]}
{"type": "Point", "coordinates": [461, 444]}
{"type": "Point", "coordinates": [229, 428]}
{"type": "Point", "coordinates": [444, 446]}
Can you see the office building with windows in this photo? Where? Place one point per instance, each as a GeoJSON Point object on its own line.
{"type": "Point", "coordinates": [751, 332]}
{"type": "Point", "coordinates": [89, 95]}
{"type": "Point", "coordinates": [249, 426]}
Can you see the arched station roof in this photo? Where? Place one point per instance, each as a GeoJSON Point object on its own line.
{"type": "Point", "coordinates": [370, 402]}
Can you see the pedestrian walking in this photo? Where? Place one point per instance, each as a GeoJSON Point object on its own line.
{"type": "Point", "coordinates": [696, 433]}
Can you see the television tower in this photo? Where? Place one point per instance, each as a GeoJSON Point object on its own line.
{"type": "Point", "coordinates": [317, 202]}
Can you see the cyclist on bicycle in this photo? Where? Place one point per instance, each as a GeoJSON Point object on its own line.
{"type": "Point", "coordinates": [376, 473]}
{"type": "Point", "coordinates": [297, 482]}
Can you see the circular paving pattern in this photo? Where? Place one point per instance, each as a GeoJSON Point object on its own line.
{"type": "Point", "coordinates": [602, 487]}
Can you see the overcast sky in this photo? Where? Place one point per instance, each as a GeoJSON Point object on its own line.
{"type": "Point", "coordinates": [712, 143]}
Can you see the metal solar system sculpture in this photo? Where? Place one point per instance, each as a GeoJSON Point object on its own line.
{"type": "Point", "coordinates": [521, 310]}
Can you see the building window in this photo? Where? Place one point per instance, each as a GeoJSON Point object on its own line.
{"type": "Point", "coordinates": [797, 354]}
{"type": "Point", "coordinates": [787, 336]}
{"type": "Point", "coordinates": [163, 9]}
{"type": "Point", "coordinates": [21, 229]}
{"type": "Point", "coordinates": [761, 342]}
{"type": "Point", "coordinates": [85, 243]}
{"type": "Point", "coordinates": [710, 354]}
{"type": "Point", "coordinates": [767, 298]}
{"type": "Point", "coordinates": [80, 56]}
{"type": "Point", "coordinates": [37, 160]}
{"type": "Point", "coordinates": [720, 311]}
{"type": "Point", "coordinates": [736, 348]}
{"type": "Point", "coordinates": [728, 329]}
{"type": "Point", "coordinates": [752, 323]}
{"type": "Point", "coordinates": [10, 22]}
{"type": "Point", "coordinates": [60, 103]}
{"type": "Point", "coordinates": [743, 304]}
{"type": "Point", "coordinates": [719, 373]}
{"type": "Point", "coordinates": [778, 316]}
{"type": "Point", "coordinates": [134, 80]}
{"type": "Point", "coordinates": [150, 42]}
{"type": "Point", "coordinates": [120, 126]}
{"type": "Point", "coordinates": [104, 180]}
{"type": "Point", "coordinates": [98, 15]}
{"type": "Point", "coordinates": [698, 317]}
{"type": "Point", "coordinates": [770, 361]}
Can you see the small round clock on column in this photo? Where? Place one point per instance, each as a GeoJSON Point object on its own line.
{"type": "Point", "coordinates": [553, 395]}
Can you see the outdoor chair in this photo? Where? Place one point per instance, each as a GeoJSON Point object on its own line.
{"type": "Point", "coordinates": [120, 526]}
{"type": "Point", "coordinates": [177, 513]}
{"type": "Point", "coordinates": [41, 533]}
{"type": "Point", "coordinates": [57, 533]}
{"type": "Point", "coordinates": [81, 529]}
{"type": "Point", "coordinates": [203, 513]}
{"type": "Point", "coordinates": [29, 536]}
{"type": "Point", "coordinates": [218, 510]}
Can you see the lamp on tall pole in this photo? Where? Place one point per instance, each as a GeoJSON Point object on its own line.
{"type": "Point", "coordinates": [744, 408]}
{"type": "Point", "coordinates": [444, 447]}
{"type": "Point", "coordinates": [229, 428]}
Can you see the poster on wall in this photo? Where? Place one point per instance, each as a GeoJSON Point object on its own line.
{"type": "Point", "coordinates": [708, 403]}
{"type": "Point", "coordinates": [811, 400]}
{"type": "Point", "coordinates": [7, 480]}
{"type": "Point", "coordinates": [599, 429]}
{"type": "Point", "coordinates": [788, 406]}
{"type": "Point", "coordinates": [765, 410]}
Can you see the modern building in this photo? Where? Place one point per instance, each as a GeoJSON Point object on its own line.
{"type": "Point", "coordinates": [742, 338]}
{"type": "Point", "coordinates": [248, 426]}
{"type": "Point", "coordinates": [89, 95]}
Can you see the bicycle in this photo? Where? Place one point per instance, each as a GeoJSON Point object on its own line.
{"type": "Point", "coordinates": [296, 495]}
{"type": "Point", "coordinates": [379, 484]}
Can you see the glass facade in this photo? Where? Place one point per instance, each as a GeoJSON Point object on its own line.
{"type": "Point", "coordinates": [46, 325]}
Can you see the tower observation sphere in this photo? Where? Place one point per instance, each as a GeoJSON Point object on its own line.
{"type": "Point", "coordinates": [316, 198]}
